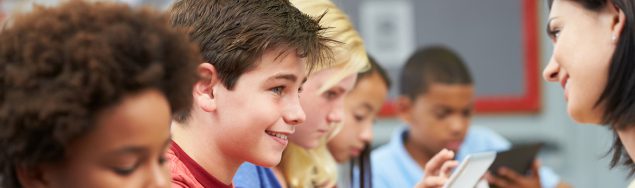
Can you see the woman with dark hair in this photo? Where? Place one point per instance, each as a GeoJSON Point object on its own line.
{"type": "Point", "coordinates": [593, 59]}
{"type": "Point", "coordinates": [86, 96]}
{"type": "Point", "coordinates": [351, 145]}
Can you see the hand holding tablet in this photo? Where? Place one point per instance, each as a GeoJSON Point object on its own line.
{"type": "Point", "coordinates": [437, 170]}
{"type": "Point", "coordinates": [516, 162]}
{"type": "Point", "coordinates": [514, 165]}
{"type": "Point", "coordinates": [518, 159]}
{"type": "Point", "coordinates": [471, 170]}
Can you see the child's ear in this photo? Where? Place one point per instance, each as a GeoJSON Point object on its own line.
{"type": "Point", "coordinates": [204, 89]}
{"type": "Point", "coordinates": [404, 106]}
{"type": "Point", "coordinates": [32, 177]}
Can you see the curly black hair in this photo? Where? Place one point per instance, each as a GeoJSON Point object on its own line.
{"type": "Point", "coordinates": [61, 66]}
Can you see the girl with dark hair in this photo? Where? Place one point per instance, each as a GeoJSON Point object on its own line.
{"type": "Point", "coordinates": [352, 143]}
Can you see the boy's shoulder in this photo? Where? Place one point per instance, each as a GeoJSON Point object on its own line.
{"type": "Point", "coordinates": [392, 148]}
{"type": "Point", "coordinates": [186, 172]}
{"type": "Point", "coordinates": [181, 175]}
{"type": "Point", "coordinates": [482, 139]}
{"type": "Point", "coordinates": [391, 154]}
{"type": "Point", "coordinates": [392, 169]}
{"type": "Point", "coordinates": [247, 176]}
{"type": "Point", "coordinates": [383, 153]}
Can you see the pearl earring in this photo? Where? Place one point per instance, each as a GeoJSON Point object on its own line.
{"type": "Point", "coordinates": [613, 37]}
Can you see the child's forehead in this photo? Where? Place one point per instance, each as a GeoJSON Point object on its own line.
{"type": "Point", "coordinates": [444, 91]}
{"type": "Point", "coordinates": [276, 55]}
{"type": "Point", "coordinates": [427, 85]}
{"type": "Point", "coordinates": [448, 86]}
{"type": "Point", "coordinates": [279, 64]}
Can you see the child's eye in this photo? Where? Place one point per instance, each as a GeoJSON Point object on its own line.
{"type": "Point", "coordinates": [442, 114]}
{"type": "Point", "coordinates": [124, 165]}
{"type": "Point", "coordinates": [467, 113]}
{"type": "Point", "coordinates": [359, 118]}
{"type": "Point", "coordinates": [125, 171]}
{"type": "Point", "coordinates": [162, 159]}
{"type": "Point", "coordinates": [277, 90]}
{"type": "Point", "coordinates": [331, 95]}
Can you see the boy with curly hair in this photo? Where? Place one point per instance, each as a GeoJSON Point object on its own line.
{"type": "Point", "coordinates": [86, 95]}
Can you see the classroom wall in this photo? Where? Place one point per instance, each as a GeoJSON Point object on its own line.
{"type": "Point", "coordinates": [574, 151]}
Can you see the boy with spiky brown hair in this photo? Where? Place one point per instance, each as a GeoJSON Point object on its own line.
{"type": "Point", "coordinates": [257, 55]}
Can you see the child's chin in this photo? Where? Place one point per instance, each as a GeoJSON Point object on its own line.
{"type": "Point", "coordinates": [312, 145]}
{"type": "Point", "coordinates": [269, 162]}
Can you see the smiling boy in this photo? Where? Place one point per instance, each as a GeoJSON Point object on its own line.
{"type": "Point", "coordinates": [256, 57]}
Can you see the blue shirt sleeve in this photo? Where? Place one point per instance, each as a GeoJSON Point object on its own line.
{"type": "Point", "coordinates": [392, 166]}
{"type": "Point", "coordinates": [250, 176]}
{"type": "Point", "coordinates": [246, 176]}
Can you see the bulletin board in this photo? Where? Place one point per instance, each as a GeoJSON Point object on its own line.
{"type": "Point", "coordinates": [498, 40]}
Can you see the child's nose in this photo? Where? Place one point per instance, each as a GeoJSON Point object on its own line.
{"type": "Point", "coordinates": [294, 115]}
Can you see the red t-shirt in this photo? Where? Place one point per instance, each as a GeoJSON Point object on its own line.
{"type": "Point", "coordinates": [186, 173]}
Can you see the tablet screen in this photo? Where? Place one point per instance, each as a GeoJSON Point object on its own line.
{"type": "Point", "coordinates": [470, 171]}
{"type": "Point", "coordinates": [518, 158]}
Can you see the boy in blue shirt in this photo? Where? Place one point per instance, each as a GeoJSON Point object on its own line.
{"type": "Point", "coordinates": [436, 102]}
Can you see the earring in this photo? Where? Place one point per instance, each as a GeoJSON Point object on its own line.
{"type": "Point", "coordinates": [613, 37]}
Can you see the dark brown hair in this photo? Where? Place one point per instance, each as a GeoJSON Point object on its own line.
{"type": "Point", "coordinates": [61, 67]}
{"type": "Point", "coordinates": [361, 164]}
{"type": "Point", "coordinates": [433, 64]}
{"type": "Point", "coordinates": [232, 34]}
{"type": "Point", "coordinates": [361, 171]}
{"type": "Point", "coordinates": [374, 68]}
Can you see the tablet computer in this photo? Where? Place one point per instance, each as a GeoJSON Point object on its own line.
{"type": "Point", "coordinates": [519, 158]}
{"type": "Point", "coordinates": [470, 171]}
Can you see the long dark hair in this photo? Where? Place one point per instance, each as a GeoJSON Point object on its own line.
{"type": "Point", "coordinates": [360, 166]}
{"type": "Point", "coordinates": [361, 170]}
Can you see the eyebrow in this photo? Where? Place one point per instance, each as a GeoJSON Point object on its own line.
{"type": "Point", "coordinates": [442, 107]}
{"type": "Point", "coordinates": [283, 76]}
{"type": "Point", "coordinates": [368, 107]}
{"type": "Point", "coordinates": [137, 150]}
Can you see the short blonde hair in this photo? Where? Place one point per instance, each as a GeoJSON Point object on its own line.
{"type": "Point", "coordinates": [350, 56]}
